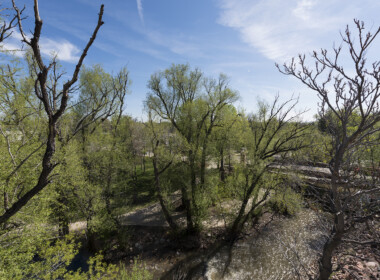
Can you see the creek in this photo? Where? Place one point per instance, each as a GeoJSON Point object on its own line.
{"type": "Point", "coordinates": [287, 248]}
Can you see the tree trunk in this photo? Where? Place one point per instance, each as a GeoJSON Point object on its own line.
{"type": "Point", "coordinates": [63, 226]}
{"type": "Point", "coordinates": [193, 206]}
{"type": "Point", "coordinates": [63, 221]}
{"type": "Point", "coordinates": [325, 265]}
{"type": "Point", "coordinates": [229, 162]}
{"type": "Point", "coordinates": [91, 242]}
{"type": "Point", "coordinates": [165, 210]}
{"type": "Point", "coordinates": [107, 191]}
{"type": "Point", "coordinates": [6, 201]}
{"type": "Point", "coordinates": [43, 181]}
{"type": "Point", "coordinates": [144, 163]}
{"type": "Point", "coordinates": [238, 224]}
{"type": "Point", "coordinates": [186, 202]}
{"type": "Point", "coordinates": [222, 170]}
{"type": "Point", "coordinates": [203, 161]}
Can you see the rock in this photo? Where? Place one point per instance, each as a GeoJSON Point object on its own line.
{"type": "Point", "coordinates": [351, 251]}
{"type": "Point", "coordinates": [372, 265]}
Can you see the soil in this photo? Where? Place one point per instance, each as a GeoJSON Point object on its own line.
{"type": "Point", "coordinates": [359, 261]}
{"type": "Point", "coordinates": [161, 251]}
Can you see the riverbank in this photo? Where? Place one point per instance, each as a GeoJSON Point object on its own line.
{"type": "Point", "coordinates": [269, 248]}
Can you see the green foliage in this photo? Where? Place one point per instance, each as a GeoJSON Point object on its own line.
{"type": "Point", "coordinates": [138, 272]}
{"type": "Point", "coordinates": [98, 269]}
{"type": "Point", "coordinates": [102, 168]}
{"type": "Point", "coordinates": [285, 200]}
{"type": "Point", "coordinates": [29, 254]}
{"type": "Point", "coordinates": [34, 257]}
{"type": "Point", "coordinates": [317, 147]}
{"type": "Point", "coordinates": [52, 260]}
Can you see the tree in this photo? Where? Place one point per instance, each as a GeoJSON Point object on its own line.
{"type": "Point", "coordinates": [219, 96]}
{"type": "Point", "coordinates": [21, 130]}
{"type": "Point", "coordinates": [350, 103]}
{"type": "Point", "coordinates": [174, 101]}
{"type": "Point", "coordinates": [274, 131]}
{"type": "Point", "coordinates": [53, 99]}
{"type": "Point", "coordinates": [192, 104]}
{"type": "Point", "coordinates": [229, 136]}
{"type": "Point", "coordinates": [162, 159]}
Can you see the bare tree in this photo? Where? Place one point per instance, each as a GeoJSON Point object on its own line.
{"type": "Point", "coordinates": [54, 100]}
{"type": "Point", "coordinates": [9, 22]}
{"type": "Point", "coordinates": [351, 97]}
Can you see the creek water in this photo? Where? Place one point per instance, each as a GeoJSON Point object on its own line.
{"type": "Point", "coordinates": [287, 248]}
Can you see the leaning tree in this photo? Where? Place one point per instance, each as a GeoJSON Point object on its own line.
{"type": "Point", "coordinates": [53, 97]}
{"type": "Point", "coordinates": [350, 105]}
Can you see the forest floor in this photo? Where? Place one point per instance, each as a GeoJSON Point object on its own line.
{"type": "Point", "coordinates": [361, 259]}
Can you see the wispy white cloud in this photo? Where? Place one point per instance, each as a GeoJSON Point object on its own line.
{"type": "Point", "coordinates": [282, 29]}
{"type": "Point", "coordinates": [63, 49]}
{"type": "Point", "coordinates": [303, 9]}
{"type": "Point", "coordinates": [176, 43]}
{"type": "Point", "coordinates": [13, 44]}
{"type": "Point", "coordinates": [12, 48]}
{"type": "Point", "coordinates": [140, 10]}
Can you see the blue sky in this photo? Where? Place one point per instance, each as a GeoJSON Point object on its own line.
{"type": "Point", "coordinates": [241, 38]}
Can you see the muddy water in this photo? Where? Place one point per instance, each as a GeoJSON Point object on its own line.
{"type": "Point", "coordinates": [285, 249]}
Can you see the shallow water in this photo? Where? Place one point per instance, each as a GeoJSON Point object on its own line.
{"type": "Point", "coordinates": [285, 249]}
